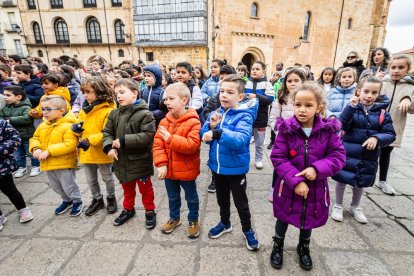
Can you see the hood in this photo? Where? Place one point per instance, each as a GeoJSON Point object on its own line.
{"type": "Point", "coordinates": [355, 64]}
{"type": "Point", "coordinates": [292, 125]}
{"type": "Point", "coordinates": [406, 79]}
{"type": "Point", "coordinates": [245, 106]}
{"type": "Point", "coordinates": [191, 83]}
{"type": "Point", "coordinates": [60, 91]}
{"type": "Point", "coordinates": [191, 113]}
{"type": "Point", "coordinates": [258, 80]}
{"type": "Point", "coordinates": [377, 105]}
{"type": "Point", "coordinates": [156, 72]}
{"type": "Point", "coordinates": [345, 90]}
{"type": "Point", "coordinates": [138, 105]}
{"type": "Point", "coordinates": [25, 102]}
{"type": "Point", "coordinates": [69, 117]}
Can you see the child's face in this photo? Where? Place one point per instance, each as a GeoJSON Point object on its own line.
{"type": "Point", "coordinates": [379, 57]}
{"type": "Point", "coordinates": [398, 69]}
{"type": "Point", "coordinates": [175, 103]}
{"type": "Point", "coordinates": [89, 94]}
{"type": "Point", "coordinates": [183, 75]}
{"type": "Point", "coordinates": [347, 79]}
{"type": "Point", "coordinates": [229, 95]}
{"type": "Point", "coordinates": [51, 112]}
{"type": "Point", "coordinates": [54, 63]}
{"type": "Point", "coordinates": [241, 73]}
{"type": "Point", "coordinates": [222, 76]}
{"type": "Point", "coordinates": [96, 66]}
{"type": "Point", "coordinates": [173, 75]}
{"type": "Point", "coordinates": [55, 69]}
{"type": "Point", "coordinates": [49, 86]}
{"type": "Point", "coordinates": [35, 70]}
{"type": "Point", "coordinates": [306, 107]}
{"type": "Point", "coordinates": [162, 67]}
{"type": "Point", "coordinates": [112, 82]}
{"type": "Point", "coordinates": [257, 71]}
{"type": "Point", "coordinates": [164, 81]}
{"type": "Point", "coordinates": [125, 96]}
{"type": "Point", "coordinates": [22, 76]}
{"type": "Point", "coordinates": [197, 73]}
{"type": "Point", "coordinates": [327, 76]}
{"type": "Point", "coordinates": [3, 75]}
{"type": "Point", "coordinates": [149, 79]}
{"type": "Point", "coordinates": [215, 69]}
{"type": "Point", "coordinates": [292, 82]}
{"type": "Point", "coordinates": [368, 93]}
{"type": "Point", "coordinates": [11, 99]}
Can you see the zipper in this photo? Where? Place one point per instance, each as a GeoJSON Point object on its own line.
{"type": "Point", "coordinates": [392, 97]}
{"type": "Point", "coordinates": [218, 146]}
{"type": "Point", "coordinates": [305, 201]}
{"type": "Point", "coordinates": [149, 97]}
{"type": "Point", "coordinates": [324, 194]}
{"type": "Point", "coordinates": [281, 188]}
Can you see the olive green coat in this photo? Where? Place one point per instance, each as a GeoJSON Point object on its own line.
{"type": "Point", "coordinates": [19, 118]}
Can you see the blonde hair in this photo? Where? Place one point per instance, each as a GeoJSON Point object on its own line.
{"type": "Point", "coordinates": [181, 89]}
{"type": "Point", "coordinates": [312, 87]}
{"type": "Point", "coordinates": [402, 56]}
{"type": "Point", "coordinates": [56, 101]}
{"type": "Point", "coordinates": [343, 70]}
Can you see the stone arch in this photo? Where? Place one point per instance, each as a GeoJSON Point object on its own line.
{"type": "Point", "coordinates": [251, 55]}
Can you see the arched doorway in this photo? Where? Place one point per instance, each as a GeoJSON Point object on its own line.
{"type": "Point", "coordinates": [251, 55]}
{"type": "Point", "coordinates": [248, 60]}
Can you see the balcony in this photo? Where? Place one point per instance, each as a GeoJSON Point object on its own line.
{"type": "Point", "coordinates": [10, 27]}
{"type": "Point", "coordinates": [8, 3]}
{"type": "Point", "coordinates": [75, 40]}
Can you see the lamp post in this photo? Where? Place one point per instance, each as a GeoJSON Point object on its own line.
{"type": "Point", "coordinates": [300, 43]}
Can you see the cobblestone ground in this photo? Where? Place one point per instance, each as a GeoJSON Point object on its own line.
{"type": "Point", "coordinates": [62, 245]}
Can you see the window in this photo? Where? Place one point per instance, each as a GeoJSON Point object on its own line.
{"type": "Point", "coordinates": [150, 56]}
{"type": "Point", "coordinates": [307, 25]}
{"type": "Point", "coordinates": [19, 49]}
{"type": "Point", "coordinates": [56, 4]}
{"type": "Point", "coordinates": [89, 3]}
{"type": "Point", "coordinates": [37, 33]}
{"type": "Point", "coordinates": [39, 53]}
{"type": "Point", "coordinates": [116, 3]}
{"type": "Point", "coordinates": [119, 31]}
{"type": "Point", "coordinates": [93, 30]}
{"type": "Point", "coordinates": [61, 31]}
{"type": "Point", "coordinates": [254, 11]}
{"type": "Point", "coordinates": [31, 4]}
{"type": "Point", "coordinates": [349, 25]}
{"type": "Point", "coordinates": [167, 6]}
{"type": "Point", "coordinates": [121, 53]}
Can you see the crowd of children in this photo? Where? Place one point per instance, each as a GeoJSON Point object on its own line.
{"type": "Point", "coordinates": [129, 119]}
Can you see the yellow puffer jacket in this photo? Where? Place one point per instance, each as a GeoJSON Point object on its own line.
{"type": "Point", "coordinates": [93, 123]}
{"type": "Point", "coordinates": [59, 140]}
{"type": "Point", "coordinates": [60, 91]}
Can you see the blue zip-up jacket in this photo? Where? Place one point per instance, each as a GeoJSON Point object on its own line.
{"type": "Point", "coordinates": [230, 154]}
{"type": "Point", "coordinates": [265, 94]}
{"type": "Point", "coordinates": [34, 90]}
{"type": "Point", "coordinates": [211, 87]}
{"type": "Point", "coordinates": [359, 125]}
{"type": "Point", "coordinates": [338, 98]}
{"type": "Point", "coordinates": [152, 95]}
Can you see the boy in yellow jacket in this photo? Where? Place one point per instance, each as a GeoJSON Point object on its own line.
{"type": "Point", "coordinates": [54, 144]}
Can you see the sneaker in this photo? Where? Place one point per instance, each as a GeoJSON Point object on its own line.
{"type": "Point", "coordinates": [212, 187]}
{"type": "Point", "coordinates": [193, 230]}
{"type": "Point", "coordinates": [112, 206]}
{"type": "Point", "coordinates": [170, 225]}
{"type": "Point", "coordinates": [35, 171]}
{"type": "Point", "coordinates": [124, 217]}
{"type": "Point", "coordinates": [259, 165]}
{"type": "Point", "coordinates": [95, 206]}
{"type": "Point", "coordinates": [337, 212]}
{"type": "Point", "coordinates": [25, 215]}
{"type": "Point", "coordinates": [20, 172]}
{"type": "Point", "coordinates": [77, 209]}
{"type": "Point", "coordinates": [3, 220]}
{"type": "Point", "coordinates": [150, 220]}
{"type": "Point", "coordinates": [385, 187]}
{"type": "Point", "coordinates": [270, 146]}
{"type": "Point", "coordinates": [269, 195]}
{"type": "Point", "coordinates": [359, 216]}
{"type": "Point", "coordinates": [63, 207]}
{"type": "Point", "coordinates": [219, 230]}
{"type": "Point", "coordinates": [251, 241]}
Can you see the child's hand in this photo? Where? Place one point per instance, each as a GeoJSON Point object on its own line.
{"type": "Point", "coordinates": [354, 100]}
{"type": "Point", "coordinates": [208, 136]}
{"type": "Point", "coordinates": [215, 119]}
{"type": "Point", "coordinates": [162, 172]}
{"type": "Point", "coordinates": [251, 95]}
{"type": "Point", "coordinates": [404, 105]}
{"type": "Point", "coordinates": [44, 155]}
{"type": "Point", "coordinates": [116, 144]}
{"type": "Point", "coordinates": [36, 154]}
{"type": "Point", "coordinates": [113, 153]}
{"type": "Point", "coordinates": [164, 133]}
{"type": "Point", "coordinates": [308, 173]}
{"type": "Point", "coordinates": [371, 143]}
{"type": "Point", "coordinates": [302, 189]}
{"type": "Point", "coordinates": [84, 144]}
{"type": "Point", "coordinates": [33, 112]}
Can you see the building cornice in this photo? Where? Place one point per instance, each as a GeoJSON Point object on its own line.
{"type": "Point", "coordinates": [253, 34]}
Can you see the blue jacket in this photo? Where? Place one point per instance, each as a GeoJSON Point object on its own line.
{"type": "Point", "coordinates": [74, 90]}
{"type": "Point", "coordinates": [265, 94]}
{"type": "Point", "coordinates": [211, 87]}
{"type": "Point", "coordinates": [9, 142]}
{"type": "Point", "coordinates": [338, 98]}
{"type": "Point", "coordinates": [359, 125]}
{"type": "Point", "coordinates": [4, 84]}
{"type": "Point", "coordinates": [230, 154]}
{"type": "Point", "coordinates": [152, 95]}
{"type": "Point", "coordinates": [34, 90]}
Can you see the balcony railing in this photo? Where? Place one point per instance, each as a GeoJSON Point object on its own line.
{"type": "Point", "coordinates": [10, 27]}
{"type": "Point", "coordinates": [8, 3]}
{"type": "Point", "coordinates": [75, 40]}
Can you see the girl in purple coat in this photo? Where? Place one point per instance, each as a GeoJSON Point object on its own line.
{"type": "Point", "coordinates": [307, 151]}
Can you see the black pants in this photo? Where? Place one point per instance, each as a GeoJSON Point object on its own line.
{"type": "Point", "coordinates": [274, 178]}
{"type": "Point", "coordinates": [281, 228]}
{"type": "Point", "coordinates": [384, 163]}
{"type": "Point", "coordinates": [237, 184]}
{"type": "Point", "coordinates": [272, 136]}
{"type": "Point", "coordinates": [8, 188]}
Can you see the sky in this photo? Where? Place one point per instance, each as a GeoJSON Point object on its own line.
{"type": "Point", "coordinates": [400, 26]}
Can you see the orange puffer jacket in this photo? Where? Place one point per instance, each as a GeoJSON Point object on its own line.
{"type": "Point", "coordinates": [181, 152]}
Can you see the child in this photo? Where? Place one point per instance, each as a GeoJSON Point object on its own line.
{"type": "Point", "coordinates": [9, 142]}
{"type": "Point", "coordinates": [91, 121]}
{"type": "Point", "coordinates": [5, 80]}
{"type": "Point", "coordinates": [399, 87]}
{"type": "Point", "coordinates": [327, 78]}
{"type": "Point", "coordinates": [185, 75]}
{"type": "Point", "coordinates": [164, 81]}
{"type": "Point", "coordinates": [228, 131]}
{"type": "Point", "coordinates": [242, 72]}
{"type": "Point", "coordinates": [30, 83]}
{"type": "Point", "coordinates": [177, 157]}
{"type": "Point", "coordinates": [127, 138]}
{"type": "Point", "coordinates": [199, 76]}
{"type": "Point", "coordinates": [340, 95]}
{"type": "Point", "coordinates": [283, 106]}
{"type": "Point", "coordinates": [173, 76]}
{"type": "Point", "coordinates": [54, 144]}
{"type": "Point", "coordinates": [367, 129]}
{"type": "Point", "coordinates": [307, 151]}
{"type": "Point", "coordinates": [212, 87]}
{"type": "Point", "coordinates": [17, 113]}
{"type": "Point", "coordinates": [152, 93]}
{"type": "Point", "coordinates": [258, 87]}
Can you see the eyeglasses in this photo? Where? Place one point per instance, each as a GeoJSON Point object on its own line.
{"type": "Point", "coordinates": [48, 109]}
{"type": "Point", "coordinates": [351, 57]}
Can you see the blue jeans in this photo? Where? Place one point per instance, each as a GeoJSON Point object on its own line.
{"type": "Point", "coordinates": [174, 198]}
{"type": "Point", "coordinates": [21, 153]}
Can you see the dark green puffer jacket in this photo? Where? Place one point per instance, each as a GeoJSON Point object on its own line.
{"type": "Point", "coordinates": [19, 118]}
{"type": "Point", "coordinates": [134, 126]}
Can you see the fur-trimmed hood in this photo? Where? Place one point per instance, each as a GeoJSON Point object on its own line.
{"type": "Point", "coordinates": [292, 125]}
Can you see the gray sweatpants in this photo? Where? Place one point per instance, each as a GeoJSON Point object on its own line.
{"type": "Point", "coordinates": [356, 194]}
{"type": "Point", "coordinates": [259, 138]}
{"type": "Point", "coordinates": [91, 174]}
{"type": "Point", "coordinates": [63, 182]}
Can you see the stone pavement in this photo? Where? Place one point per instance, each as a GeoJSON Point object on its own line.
{"type": "Point", "coordinates": [62, 245]}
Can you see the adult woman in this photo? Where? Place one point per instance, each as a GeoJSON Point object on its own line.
{"type": "Point", "coordinates": [378, 65]}
{"type": "Point", "coordinates": [354, 60]}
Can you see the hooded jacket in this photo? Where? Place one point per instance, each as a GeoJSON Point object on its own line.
{"type": "Point", "coordinates": [211, 87]}
{"type": "Point", "coordinates": [265, 94]}
{"type": "Point", "coordinates": [152, 95]}
{"type": "Point", "coordinates": [230, 154]}
{"type": "Point", "coordinates": [357, 65]}
{"type": "Point", "coordinates": [34, 90]}
{"type": "Point", "coordinates": [323, 151]}
{"type": "Point", "coordinates": [9, 143]}
{"type": "Point", "coordinates": [19, 118]}
{"type": "Point", "coordinates": [338, 98]}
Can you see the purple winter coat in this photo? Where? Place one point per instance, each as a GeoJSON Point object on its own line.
{"type": "Point", "coordinates": [326, 155]}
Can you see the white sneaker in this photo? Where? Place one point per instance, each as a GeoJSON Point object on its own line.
{"type": "Point", "coordinates": [359, 216]}
{"type": "Point", "coordinates": [337, 212]}
{"type": "Point", "coordinates": [269, 196]}
{"type": "Point", "coordinates": [35, 171]}
{"type": "Point", "coordinates": [385, 187]}
{"type": "Point", "coordinates": [20, 172]}
{"type": "Point", "coordinates": [259, 165]}
{"type": "Point", "coordinates": [25, 215]}
{"type": "Point", "coordinates": [3, 220]}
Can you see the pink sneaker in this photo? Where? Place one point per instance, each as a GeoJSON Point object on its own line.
{"type": "Point", "coordinates": [269, 196]}
{"type": "Point", "coordinates": [25, 215]}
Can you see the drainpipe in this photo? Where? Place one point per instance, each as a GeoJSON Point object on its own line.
{"type": "Point", "coordinates": [339, 32]}
{"type": "Point", "coordinates": [107, 32]}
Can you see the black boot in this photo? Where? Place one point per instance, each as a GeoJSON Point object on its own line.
{"type": "Point", "coordinates": [276, 257]}
{"type": "Point", "coordinates": [305, 259]}
{"type": "Point", "coordinates": [112, 206]}
{"type": "Point", "coordinates": [124, 217]}
{"type": "Point", "coordinates": [95, 206]}
{"type": "Point", "coordinates": [212, 186]}
{"type": "Point", "coordinates": [150, 220]}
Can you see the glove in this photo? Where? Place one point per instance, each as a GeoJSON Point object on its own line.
{"type": "Point", "coordinates": [77, 128]}
{"type": "Point", "coordinates": [84, 144]}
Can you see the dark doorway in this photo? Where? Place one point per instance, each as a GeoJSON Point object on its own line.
{"type": "Point", "coordinates": [248, 60]}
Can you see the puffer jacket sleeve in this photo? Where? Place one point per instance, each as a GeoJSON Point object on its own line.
{"type": "Point", "coordinates": [11, 139]}
{"type": "Point", "coordinates": [36, 94]}
{"type": "Point", "coordinates": [22, 120]}
{"type": "Point", "coordinates": [239, 137]}
{"type": "Point", "coordinates": [67, 146]}
{"type": "Point", "coordinates": [211, 106]}
{"type": "Point", "coordinates": [145, 135]}
{"type": "Point", "coordinates": [206, 93]}
{"type": "Point", "coordinates": [189, 144]}
{"type": "Point", "coordinates": [95, 139]}
{"type": "Point", "coordinates": [275, 113]}
{"type": "Point", "coordinates": [346, 117]}
{"type": "Point", "coordinates": [34, 142]}
{"type": "Point", "coordinates": [159, 152]}
{"type": "Point", "coordinates": [108, 133]}
{"type": "Point", "coordinates": [196, 98]}
{"type": "Point", "coordinates": [387, 133]}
